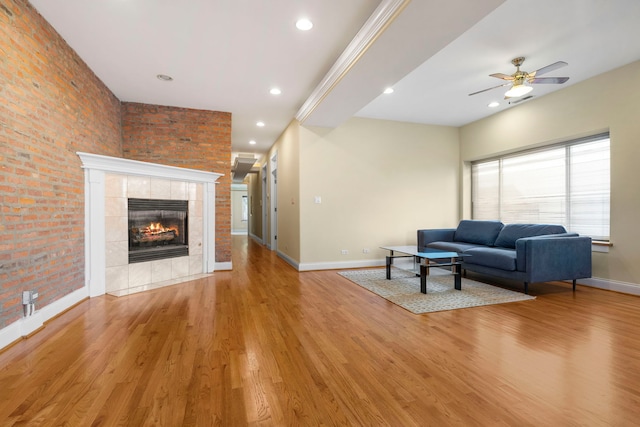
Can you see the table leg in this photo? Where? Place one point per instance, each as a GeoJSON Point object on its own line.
{"type": "Point", "coordinates": [388, 265]}
{"type": "Point", "coordinates": [457, 279]}
{"type": "Point", "coordinates": [424, 273]}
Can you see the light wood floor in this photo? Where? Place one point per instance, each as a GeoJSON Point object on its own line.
{"type": "Point", "coordinates": [266, 345]}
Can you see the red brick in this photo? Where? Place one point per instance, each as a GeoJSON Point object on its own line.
{"type": "Point", "coordinates": [45, 121]}
{"type": "Point", "coordinates": [185, 138]}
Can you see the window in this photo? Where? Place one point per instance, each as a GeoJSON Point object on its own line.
{"type": "Point", "coordinates": [245, 209]}
{"type": "Point", "coordinates": [566, 184]}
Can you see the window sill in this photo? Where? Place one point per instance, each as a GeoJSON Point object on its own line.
{"type": "Point", "coordinates": [600, 246]}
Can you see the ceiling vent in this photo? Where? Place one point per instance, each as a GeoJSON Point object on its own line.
{"type": "Point", "coordinates": [242, 166]}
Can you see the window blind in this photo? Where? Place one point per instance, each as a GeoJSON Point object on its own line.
{"type": "Point", "coordinates": [566, 184]}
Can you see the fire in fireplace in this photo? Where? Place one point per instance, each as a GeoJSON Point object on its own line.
{"type": "Point", "coordinates": [158, 229]}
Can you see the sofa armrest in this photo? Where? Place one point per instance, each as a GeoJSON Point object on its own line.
{"type": "Point", "coordinates": [554, 257]}
{"type": "Point", "coordinates": [434, 235]}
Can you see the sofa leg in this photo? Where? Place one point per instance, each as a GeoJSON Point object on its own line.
{"type": "Point", "coordinates": [574, 285]}
{"type": "Point", "coordinates": [526, 288]}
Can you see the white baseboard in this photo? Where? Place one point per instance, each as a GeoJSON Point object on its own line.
{"type": "Point", "coordinates": [256, 238]}
{"type": "Point", "coordinates": [238, 232]}
{"type": "Point", "coordinates": [289, 260]}
{"type": "Point", "coordinates": [611, 285]}
{"type": "Point", "coordinates": [337, 265]}
{"type": "Point", "coordinates": [222, 266]}
{"type": "Point", "coordinates": [27, 325]}
{"type": "Point", "coordinates": [594, 282]}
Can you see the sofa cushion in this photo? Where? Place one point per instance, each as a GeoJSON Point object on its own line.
{"type": "Point", "coordinates": [478, 232]}
{"type": "Point", "coordinates": [502, 258]}
{"type": "Point", "coordinates": [452, 246]}
{"type": "Point", "coordinates": [512, 232]}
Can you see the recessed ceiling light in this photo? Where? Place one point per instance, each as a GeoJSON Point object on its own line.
{"type": "Point", "coordinates": [275, 91]}
{"type": "Point", "coordinates": [304, 24]}
{"type": "Point", "coordinates": [260, 124]}
{"type": "Point", "coordinates": [388, 90]}
{"type": "Point", "coordinates": [493, 104]}
{"type": "Point", "coordinates": [164, 77]}
{"type": "Point", "coordinates": [252, 142]}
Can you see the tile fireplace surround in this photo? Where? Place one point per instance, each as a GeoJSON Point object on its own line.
{"type": "Point", "coordinates": [109, 183]}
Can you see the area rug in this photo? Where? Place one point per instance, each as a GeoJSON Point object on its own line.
{"type": "Point", "coordinates": [404, 290]}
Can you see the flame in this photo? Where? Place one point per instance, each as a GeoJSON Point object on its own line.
{"type": "Point", "coordinates": [157, 228]}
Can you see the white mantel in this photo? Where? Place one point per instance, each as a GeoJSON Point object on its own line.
{"type": "Point", "coordinates": [98, 170]}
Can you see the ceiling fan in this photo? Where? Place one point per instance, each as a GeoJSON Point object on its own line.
{"type": "Point", "coordinates": [520, 81]}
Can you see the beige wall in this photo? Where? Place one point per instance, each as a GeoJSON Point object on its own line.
{"type": "Point", "coordinates": [379, 181]}
{"type": "Point", "coordinates": [288, 192]}
{"type": "Point", "coordinates": [611, 102]}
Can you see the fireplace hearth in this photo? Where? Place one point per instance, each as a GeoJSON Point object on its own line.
{"type": "Point", "coordinates": [158, 229]}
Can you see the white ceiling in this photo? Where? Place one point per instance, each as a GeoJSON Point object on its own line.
{"type": "Point", "coordinates": [225, 55]}
{"type": "Point", "coordinates": [592, 36]}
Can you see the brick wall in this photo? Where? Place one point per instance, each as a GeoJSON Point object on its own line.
{"type": "Point", "coordinates": [51, 105]}
{"type": "Point", "coordinates": [195, 139]}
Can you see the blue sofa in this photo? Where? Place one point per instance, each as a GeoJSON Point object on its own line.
{"type": "Point", "coordinates": [530, 253]}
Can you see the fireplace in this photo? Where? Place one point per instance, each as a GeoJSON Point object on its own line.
{"type": "Point", "coordinates": [110, 183]}
{"type": "Point", "coordinates": [158, 229]}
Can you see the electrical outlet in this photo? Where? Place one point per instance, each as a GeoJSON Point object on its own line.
{"type": "Point", "coordinates": [365, 251]}
{"type": "Point", "coordinates": [345, 252]}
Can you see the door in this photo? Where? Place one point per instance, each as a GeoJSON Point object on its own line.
{"type": "Point", "coordinates": [263, 205]}
{"type": "Point", "coordinates": [274, 202]}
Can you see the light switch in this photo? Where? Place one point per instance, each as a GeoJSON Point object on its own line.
{"type": "Point", "coordinates": [318, 199]}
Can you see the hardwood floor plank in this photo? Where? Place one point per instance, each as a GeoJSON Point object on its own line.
{"type": "Point", "coordinates": [265, 345]}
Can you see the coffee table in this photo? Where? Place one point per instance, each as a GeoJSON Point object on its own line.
{"type": "Point", "coordinates": [427, 259]}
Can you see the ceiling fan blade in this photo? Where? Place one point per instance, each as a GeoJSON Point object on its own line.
{"type": "Point", "coordinates": [549, 68]}
{"type": "Point", "coordinates": [549, 80]}
{"type": "Point", "coordinates": [501, 76]}
{"type": "Point", "coordinates": [484, 90]}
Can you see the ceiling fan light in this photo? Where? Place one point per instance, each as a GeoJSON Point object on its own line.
{"type": "Point", "coordinates": [518, 91]}
{"type": "Point", "coordinates": [304, 24]}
